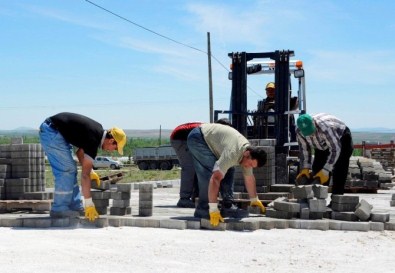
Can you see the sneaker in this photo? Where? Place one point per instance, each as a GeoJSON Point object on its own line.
{"type": "Point", "coordinates": [201, 213]}
{"type": "Point", "coordinates": [185, 203]}
{"type": "Point", "coordinates": [234, 212]}
{"type": "Point", "coordinates": [65, 214]}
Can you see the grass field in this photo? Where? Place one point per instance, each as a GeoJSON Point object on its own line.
{"type": "Point", "coordinates": [130, 173]}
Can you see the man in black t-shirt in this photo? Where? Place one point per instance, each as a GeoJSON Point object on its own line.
{"type": "Point", "coordinates": [57, 136]}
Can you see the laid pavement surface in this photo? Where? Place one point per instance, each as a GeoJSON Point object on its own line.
{"type": "Point", "coordinates": [166, 214]}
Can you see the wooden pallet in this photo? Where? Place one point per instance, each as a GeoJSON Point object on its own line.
{"type": "Point", "coordinates": [30, 205]}
{"type": "Point", "coordinates": [112, 178]}
{"type": "Point", "coordinates": [360, 190]}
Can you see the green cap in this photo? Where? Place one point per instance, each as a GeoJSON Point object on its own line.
{"type": "Point", "coordinates": [306, 124]}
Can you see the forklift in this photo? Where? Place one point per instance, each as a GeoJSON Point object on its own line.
{"type": "Point", "coordinates": [278, 63]}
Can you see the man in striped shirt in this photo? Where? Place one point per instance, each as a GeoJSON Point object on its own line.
{"type": "Point", "coordinates": [332, 143]}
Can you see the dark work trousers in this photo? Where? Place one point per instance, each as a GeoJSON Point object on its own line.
{"type": "Point", "coordinates": [340, 169]}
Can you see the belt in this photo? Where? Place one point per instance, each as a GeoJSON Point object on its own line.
{"type": "Point", "coordinates": [49, 122]}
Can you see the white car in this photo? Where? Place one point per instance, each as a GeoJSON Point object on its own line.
{"type": "Point", "coordinates": [106, 162]}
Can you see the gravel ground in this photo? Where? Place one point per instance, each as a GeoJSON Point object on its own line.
{"type": "Point", "coordinates": [130, 249]}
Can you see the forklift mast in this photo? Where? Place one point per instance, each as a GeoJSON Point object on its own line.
{"type": "Point", "coordinates": [239, 112]}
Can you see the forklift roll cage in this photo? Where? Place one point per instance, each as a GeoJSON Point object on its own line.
{"type": "Point", "coordinates": [280, 64]}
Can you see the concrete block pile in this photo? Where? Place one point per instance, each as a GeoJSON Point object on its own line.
{"type": "Point", "coordinates": [22, 171]}
{"type": "Point", "coordinates": [121, 200]}
{"type": "Point", "coordinates": [308, 203]}
{"type": "Point", "coordinates": [368, 173]}
{"type": "Point", "coordinates": [266, 175]}
{"type": "Point", "coordinates": [101, 195]}
{"type": "Point", "coordinates": [386, 156]}
{"type": "Point", "coordinates": [350, 208]}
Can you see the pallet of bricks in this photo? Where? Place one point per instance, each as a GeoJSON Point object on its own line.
{"type": "Point", "coordinates": [386, 156]}
{"type": "Point", "coordinates": [366, 175]}
{"type": "Point", "coordinates": [22, 178]}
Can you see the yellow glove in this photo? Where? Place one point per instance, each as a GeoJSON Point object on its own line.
{"type": "Point", "coordinates": [215, 218]}
{"type": "Point", "coordinates": [255, 202]}
{"type": "Point", "coordinates": [303, 172]}
{"type": "Point", "coordinates": [95, 177]}
{"type": "Point", "coordinates": [323, 176]}
{"type": "Point", "coordinates": [90, 210]}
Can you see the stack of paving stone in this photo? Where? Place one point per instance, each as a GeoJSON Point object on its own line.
{"type": "Point", "coordinates": [22, 171]}
{"type": "Point", "coordinates": [121, 200]}
{"type": "Point", "coordinates": [392, 202]}
{"type": "Point", "coordinates": [101, 196]}
{"type": "Point", "coordinates": [353, 169]}
{"type": "Point", "coordinates": [266, 175]}
{"type": "Point", "coordinates": [308, 203]}
{"type": "Point", "coordinates": [363, 176]}
{"type": "Point", "coordinates": [386, 156]}
{"type": "Point", "coordinates": [350, 208]}
{"type": "Point", "coordinates": [146, 191]}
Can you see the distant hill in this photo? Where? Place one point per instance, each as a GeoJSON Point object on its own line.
{"type": "Point", "coordinates": [372, 137]}
{"type": "Point", "coordinates": [358, 136]}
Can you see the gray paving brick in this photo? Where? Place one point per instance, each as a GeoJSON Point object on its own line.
{"type": "Point", "coordinates": [272, 213]}
{"type": "Point", "coordinates": [37, 222]}
{"type": "Point", "coordinates": [335, 225]}
{"type": "Point", "coordinates": [11, 222]}
{"type": "Point", "coordinates": [343, 207]}
{"type": "Point", "coordinates": [205, 224]}
{"type": "Point", "coordinates": [116, 222]}
{"type": "Point", "coordinates": [345, 199]}
{"type": "Point", "coordinates": [380, 217]}
{"type": "Point", "coordinates": [316, 224]}
{"type": "Point", "coordinates": [193, 224]}
{"type": "Point", "coordinates": [280, 223]}
{"type": "Point", "coordinates": [376, 226]}
{"type": "Point", "coordinates": [121, 203]}
{"type": "Point", "coordinates": [286, 206]}
{"type": "Point", "coordinates": [303, 192]}
{"type": "Point", "coordinates": [233, 224]}
{"type": "Point", "coordinates": [320, 192]}
{"type": "Point", "coordinates": [60, 222]}
{"type": "Point", "coordinates": [294, 223]}
{"type": "Point", "coordinates": [251, 223]}
{"type": "Point", "coordinates": [125, 187]}
{"type": "Point", "coordinates": [363, 210]}
{"type": "Point", "coordinates": [266, 223]}
{"type": "Point", "coordinates": [355, 226]}
{"type": "Point", "coordinates": [389, 226]}
{"type": "Point", "coordinates": [344, 216]}
{"type": "Point", "coordinates": [173, 224]}
{"type": "Point", "coordinates": [317, 205]}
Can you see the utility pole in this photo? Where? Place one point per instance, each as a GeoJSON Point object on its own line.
{"type": "Point", "coordinates": [210, 79]}
{"type": "Point", "coordinates": [160, 135]}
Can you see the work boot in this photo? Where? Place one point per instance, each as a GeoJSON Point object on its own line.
{"type": "Point", "coordinates": [234, 212]}
{"type": "Point", "coordinates": [65, 214]}
{"type": "Point", "coordinates": [185, 203]}
{"type": "Point", "coordinates": [227, 204]}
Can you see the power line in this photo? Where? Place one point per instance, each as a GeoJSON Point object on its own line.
{"type": "Point", "coordinates": [147, 29]}
{"type": "Point", "coordinates": [163, 36]}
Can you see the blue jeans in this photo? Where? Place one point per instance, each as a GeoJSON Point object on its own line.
{"type": "Point", "coordinates": [188, 185]}
{"type": "Point", "coordinates": [204, 161]}
{"type": "Point", "coordinates": [67, 195]}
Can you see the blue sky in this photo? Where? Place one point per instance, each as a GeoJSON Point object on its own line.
{"type": "Point", "coordinates": [69, 55]}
